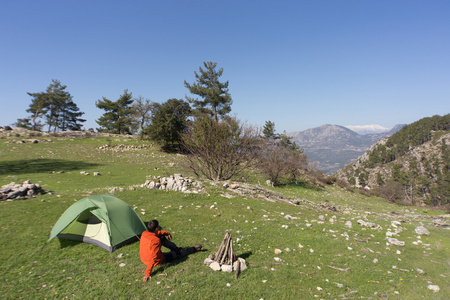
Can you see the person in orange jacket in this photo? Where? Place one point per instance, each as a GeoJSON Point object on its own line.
{"type": "Point", "coordinates": [150, 248]}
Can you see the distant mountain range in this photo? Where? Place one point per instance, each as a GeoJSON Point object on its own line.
{"type": "Point", "coordinates": [332, 147]}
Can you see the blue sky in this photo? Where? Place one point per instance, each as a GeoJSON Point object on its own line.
{"type": "Point", "coordinates": [300, 64]}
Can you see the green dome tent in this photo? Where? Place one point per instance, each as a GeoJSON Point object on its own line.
{"type": "Point", "coordinates": [102, 220]}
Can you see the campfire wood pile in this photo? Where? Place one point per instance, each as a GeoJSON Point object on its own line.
{"type": "Point", "coordinates": [225, 259]}
{"type": "Point", "coordinates": [225, 255]}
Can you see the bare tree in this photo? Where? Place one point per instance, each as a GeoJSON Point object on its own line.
{"type": "Point", "coordinates": [142, 113]}
{"type": "Point", "coordinates": [391, 191]}
{"type": "Point", "coordinates": [220, 149]}
{"type": "Point", "coordinates": [277, 160]}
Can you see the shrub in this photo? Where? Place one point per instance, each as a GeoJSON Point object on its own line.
{"type": "Point", "coordinates": [220, 149]}
{"type": "Point", "coordinates": [344, 184]}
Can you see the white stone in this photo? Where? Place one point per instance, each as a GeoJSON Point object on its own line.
{"type": "Point", "coordinates": [366, 224]}
{"type": "Point", "coordinates": [278, 251]}
{"type": "Point", "coordinates": [396, 242]}
{"type": "Point", "coordinates": [421, 230]}
{"type": "Point", "coordinates": [242, 265]}
{"type": "Point", "coordinates": [227, 268]}
{"type": "Point", "coordinates": [208, 261]}
{"type": "Point", "coordinates": [395, 223]}
{"type": "Point", "coordinates": [215, 266]}
{"type": "Point", "coordinates": [434, 288]}
{"type": "Point", "coordinates": [389, 233]}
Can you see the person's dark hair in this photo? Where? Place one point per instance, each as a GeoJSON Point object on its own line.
{"type": "Point", "coordinates": [152, 225]}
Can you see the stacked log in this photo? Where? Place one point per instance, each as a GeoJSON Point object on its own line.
{"type": "Point", "coordinates": [225, 255]}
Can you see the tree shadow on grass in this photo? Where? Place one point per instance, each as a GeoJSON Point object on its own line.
{"type": "Point", "coordinates": [41, 165]}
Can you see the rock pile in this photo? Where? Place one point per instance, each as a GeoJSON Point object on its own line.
{"type": "Point", "coordinates": [29, 141]}
{"type": "Point", "coordinates": [5, 128]}
{"type": "Point", "coordinates": [122, 147]}
{"type": "Point", "coordinates": [18, 191]}
{"type": "Point", "coordinates": [174, 182]}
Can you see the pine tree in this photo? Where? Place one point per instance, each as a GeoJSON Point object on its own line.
{"type": "Point", "coordinates": [37, 108]}
{"type": "Point", "coordinates": [215, 94]}
{"type": "Point", "coordinates": [57, 107]}
{"type": "Point", "coordinates": [269, 130]}
{"type": "Point", "coordinates": [117, 118]}
{"type": "Point", "coordinates": [69, 116]}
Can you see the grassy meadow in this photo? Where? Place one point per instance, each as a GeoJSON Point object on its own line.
{"type": "Point", "coordinates": [321, 258]}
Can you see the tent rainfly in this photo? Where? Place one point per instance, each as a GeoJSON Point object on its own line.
{"type": "Point", "coordinates": [102, 220]}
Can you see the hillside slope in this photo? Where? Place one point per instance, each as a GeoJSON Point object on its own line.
{"type": "Point", "coordinates": [412, 165]}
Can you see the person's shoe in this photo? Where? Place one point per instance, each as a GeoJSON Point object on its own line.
{"type": "Point", "coordinates": [198, 247]}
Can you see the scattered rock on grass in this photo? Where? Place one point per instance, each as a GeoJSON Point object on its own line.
{"type": "Point", "coordinates": [421, 230]}
{"type": "Point", "coordinates": [396, 242]}
{"type": "Point", "coordinates": [434, 288]}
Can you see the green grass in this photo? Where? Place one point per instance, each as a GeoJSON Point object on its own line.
{"type": "Point", "coordinates": [64, 269]}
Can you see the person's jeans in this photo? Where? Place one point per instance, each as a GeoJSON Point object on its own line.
{"type": "Point", "coordinates": [168, 244]}
{"type": "Point", "coordinates": [172, 255]}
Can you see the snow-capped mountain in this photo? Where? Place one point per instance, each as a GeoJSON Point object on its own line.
{"type": "Point", "coordinates": [367, 129]}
